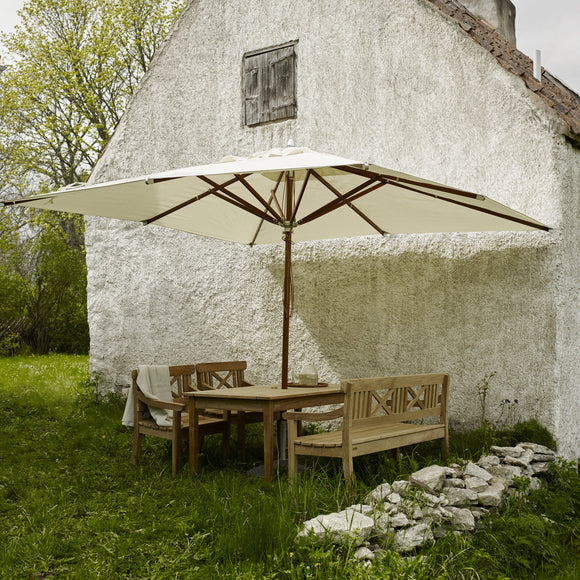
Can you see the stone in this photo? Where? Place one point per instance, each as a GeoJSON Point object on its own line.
{"type": "Point", "coordinates": [507, 451]}
{"type": "Point", "coordinates": [473, 470]}
{"type": "Point", "coordinates": [454, 482]}
{"type": "Point", "coordinates": [537, 448]}
{"type": "Point", "coordinates": [479, 512]}
{"type": "Point", "coordinates": [461, 497]}
{"type": "Point", "coordinates": [476, 484]}
{"type": "Point", "coordinates": [539, 467]}
{"type": "Point", "coordinates": [461, 519]}
{"type": "Point", "coordinates": [345, 528]}
{"type": "Point", "coordinates": [543, 457]}
{"type": "Point", "coordinates": [394, 497]}
{"type": "Point", "coordinates": [486, 461]}
{"type": "Point", "coordinates": [378, 494]}
{"type": "Point", "coordinates": [363, 508]}
{"type": "Point", "coordinates": [437, 515]}
{"type": "Point", "coordinates": [416, 536]}
{"type": "Point", "coordinates": [411, 509]}
{"type": "Point", "coordinates": [403, 488]}
{"type": "Point", "coordinates": [364, 553]}
{"type": "Point", "coordinates": [493, 496]}
{"type": "Point", "coordinates": [522, 461]}
{"type": "Point", "coordinates": [386, 523]}
{"type": "Point", "coordinates": [506, 472]}
{"type": "Point", "coordinates": [432, 477]}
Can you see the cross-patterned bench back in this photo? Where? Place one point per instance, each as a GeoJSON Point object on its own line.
{"type": "Point", "coordinates": [221, 375]}
{"type": "Point", "coordinates": [397, 399]}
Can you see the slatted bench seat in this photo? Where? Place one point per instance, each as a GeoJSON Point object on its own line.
{"type": "Point", "coordinates": [378, 414]}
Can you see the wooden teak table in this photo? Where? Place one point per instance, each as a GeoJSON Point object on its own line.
{"type": "Point", "coordinates": [267, 399]}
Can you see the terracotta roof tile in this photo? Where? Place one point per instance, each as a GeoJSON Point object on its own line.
{"type": "Point", "coordinates": [556, 94]}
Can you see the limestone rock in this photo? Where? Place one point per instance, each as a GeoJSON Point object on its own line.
{"type": "Point", "coordinates": [507, 451]}
{"type": "Point", "coordinates": [461, 519]}
{"type": "Point", "coordinates": [454, 482]}
{"type": "Point", "coordinates": [493, 496]}
{"type": "Point", "coordinates": [408, 539]}
{"type": "Point", "coordinates": [487, 461]}
{"type": "Point", "coordinates": [432, 477]}
{"type": "Point", "coordinates": [386, 523]}
{"type": "Point", "coordinates": [411, 509]}
{"type": "Point", "coordinates": [475, 484]}
{"type": "Point", "coordinates": [537, 448]}
{"type": "Point", "coordinates": [506, 472]}
{"type": "Point", "coordinates": [461, 497]}
{"type": "Point", "coordinates": [364, 553]}
{"type": "Point", "coordinates": [378, 494]}
{"type": "Point", "coordinates": [403, 488]}
{"type": "Point", "coordinates": [473, 470]}
{"type": "Point", "coordinates": [522, 461]}
{"type": "Point", "coordinates": [363, 508]}
{"type": "Point", "coordinates": [345, 527]}
{"type": "Point", "coordinates": [543, 457]}
{"type": "Point", "coordinates": [539, 467]}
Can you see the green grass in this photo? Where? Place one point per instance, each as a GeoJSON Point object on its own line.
{"type": "Point", "coordinates": [73, 506]}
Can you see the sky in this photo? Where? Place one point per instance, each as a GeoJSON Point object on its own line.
{"type": "Point", "coordinates": [550, 26]}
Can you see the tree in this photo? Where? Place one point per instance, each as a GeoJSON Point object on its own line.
{"type": "Point", "coordinates": [75, 65]}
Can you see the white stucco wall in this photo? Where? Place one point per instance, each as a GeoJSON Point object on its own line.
{"type": "Point", "coordinates": [397, 84]}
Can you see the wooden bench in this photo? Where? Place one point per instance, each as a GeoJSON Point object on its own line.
{"type": "Point", "coordinates": [377, 415]}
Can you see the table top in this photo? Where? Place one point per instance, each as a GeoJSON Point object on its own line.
{"type": "Point", "coordinates": [266, 392]}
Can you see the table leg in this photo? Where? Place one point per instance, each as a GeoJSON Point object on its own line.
{"type": "Point", "coordinates": [268, 442]}
{"type": "Point", "coordinates": [193, 436]}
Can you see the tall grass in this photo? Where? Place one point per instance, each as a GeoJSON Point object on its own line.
{"type": "Point", "coordinates": [72, 505]}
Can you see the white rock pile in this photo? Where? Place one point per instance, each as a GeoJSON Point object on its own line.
{"type": "Point", "coordinates": [434, 501]}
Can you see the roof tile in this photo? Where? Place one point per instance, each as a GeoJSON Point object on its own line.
{"type": "Point", "coordinates": [556, 94]}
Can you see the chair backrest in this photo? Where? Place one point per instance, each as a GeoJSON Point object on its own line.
{"type": "Point", "coordinates": [396, 399]}
{"type": "Point", "coordinates": [181, 378]}
{"type": "Point", "coordinates": [221, 375]}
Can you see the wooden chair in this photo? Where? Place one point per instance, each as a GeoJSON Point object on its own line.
{"type": "Point", "coordinates": [377, 415]}
{"type": "Point", "coordinates": [228, 375]}
{"type": "Point", "coordinates": [181, 381]}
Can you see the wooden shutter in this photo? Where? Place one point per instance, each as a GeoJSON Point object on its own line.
{"type": "Point", "coordinates": [269, 85]}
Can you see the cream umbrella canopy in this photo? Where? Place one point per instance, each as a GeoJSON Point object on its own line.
{"type": "Point", "coordinates": [291, 194]}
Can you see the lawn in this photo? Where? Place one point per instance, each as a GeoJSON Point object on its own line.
{"type": "Point", "coordinates": [73, 506]}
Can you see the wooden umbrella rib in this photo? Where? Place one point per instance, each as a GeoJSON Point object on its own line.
{"type": "Point", "coordinates": [344, 199]}
{"type": "Point", "coordinates": [353, 194]}
{"type": "Point", "coordinates": [236, 200]}
{"type": "Point", "coordinates": [398, 179]}
{"type": "Point", "coordinates": [251, 189]}
{"type": "Point", "coordinates": [302, 190]}
{"type": "Point", "coordinates": [474, 207]}
{"type": "Point", "coordinates": [272, 197]}
{"type": "Point", "coordinates": [185, 203]}
{"type": "Point", "coordinates": [247, 207]}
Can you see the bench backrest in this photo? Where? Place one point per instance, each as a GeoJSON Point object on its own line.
{"type": "Point", "coordinates": [396, 399]}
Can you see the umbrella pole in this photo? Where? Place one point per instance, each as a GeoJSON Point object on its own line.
{"type": "Point", "coordinates": [286, 303]}
{"type": "Point", "coordinates": [287, 275]}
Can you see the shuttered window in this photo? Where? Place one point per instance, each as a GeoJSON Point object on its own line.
{"type": "Point", "coordinates": [269, 84]}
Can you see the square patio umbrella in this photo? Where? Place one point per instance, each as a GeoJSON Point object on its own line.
{"type": "Point", "coordinates": [291, 194]}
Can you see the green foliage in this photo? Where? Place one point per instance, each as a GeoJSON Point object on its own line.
{"type": "Point", "coordinates": [74, 66]}
{"type": "Point", "coordinates": [72, 505]}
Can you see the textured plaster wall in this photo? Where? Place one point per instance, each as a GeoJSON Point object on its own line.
{"type": "Point", "coordinates": [402, 86]}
